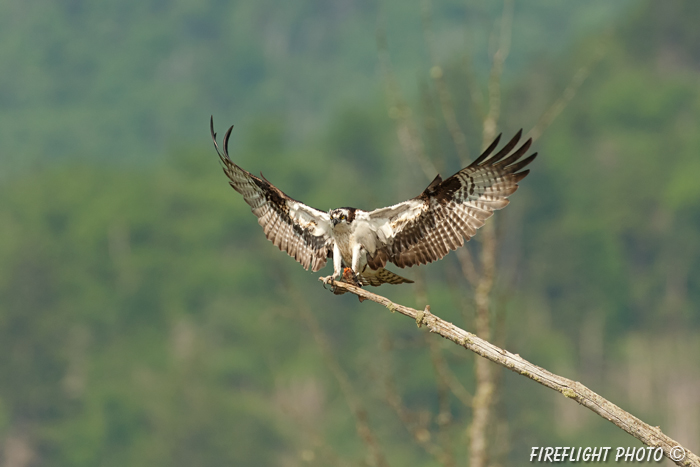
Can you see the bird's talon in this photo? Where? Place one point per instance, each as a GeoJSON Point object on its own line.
{"type": "Point", "coordinates": [327, 280]}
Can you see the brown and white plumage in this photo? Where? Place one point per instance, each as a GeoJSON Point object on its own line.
{"type": "Point", "coordinates": [299, 230]}
{"type": "Point", "coordinates": [417, 231]}
{"type": "Point", "coordinates": [427, 227]}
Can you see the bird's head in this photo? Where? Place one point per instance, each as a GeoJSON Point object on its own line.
{"type": "Point", "coordinates": [342, 216]}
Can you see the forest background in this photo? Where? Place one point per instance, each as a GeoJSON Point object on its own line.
{"type": "Point", "coordinates": [145, 320]}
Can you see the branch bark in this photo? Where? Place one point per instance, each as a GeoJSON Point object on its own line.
{"type": "Point", "coordinates": [651, 436]}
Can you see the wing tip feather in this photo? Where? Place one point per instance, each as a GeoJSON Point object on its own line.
{"type": "Point", "coordinates": [307, 255]}
{"type": "Point", "coordinates": [222, 155]}
{"type": "Point", "coordinates": [487, 152]}
{"type": "Point", "coordinates": [520, 175]}
{"type": "Point", "coordinates": [517, 165]}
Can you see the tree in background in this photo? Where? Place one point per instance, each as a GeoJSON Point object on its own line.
{"type": "Point", "coordinates": [145, 321]}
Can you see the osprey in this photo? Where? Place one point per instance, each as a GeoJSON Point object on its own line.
{"type": "Point", "coordinates": [417, 231]}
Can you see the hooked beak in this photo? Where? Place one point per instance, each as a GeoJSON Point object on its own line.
{"type": "Point", "coordinates": [335, 221]}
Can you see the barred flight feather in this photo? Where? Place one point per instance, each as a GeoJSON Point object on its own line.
{"type": "Point", "coordinates": [417, 231]}
{"type": "Point", "coordinates": [453, 209]}
{"type": "Point", "coordinates": [273, 209]}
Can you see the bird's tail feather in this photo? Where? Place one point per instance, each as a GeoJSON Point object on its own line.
{"type": "Point", "coordinates": [382, 276]}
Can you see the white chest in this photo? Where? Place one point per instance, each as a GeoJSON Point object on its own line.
{"type": "Point", "coordinates": [349, 237]}
{"type": "Point", "coordinates": [344, 239]}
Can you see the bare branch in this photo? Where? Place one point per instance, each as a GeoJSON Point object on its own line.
{"type": "Point", "coordinates": [485, 381]}
{"type": "Point", "coordinates": [651, 436]}
{"type": "Point", "coordinates": [448, 110]}
{"type": "Point", "coordinates": [429, 117]}
{"type": "Point", "coordinates": [406, 129]}
{"type": "Point", "coordinates": [481, 410]}
{"type": "Point", "coordinates": [447, 377]}
{"type": "Point", "coordinates": [361, 423]}
{"type": "Point", "coordinates": [417, 426]}
{"type": "Point", "coordinates": [444, 416]}
{"type": "Point", "coordinates": [499, 59]}
{"type": "Point", "coordinates": [467, 263]}
{"type": "Point", "coordinates": [475, 92]}
{"type": "Point", "coordinates": [569, 92]}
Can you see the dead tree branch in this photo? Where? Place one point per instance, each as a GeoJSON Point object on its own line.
{"type": "Point", "coordinates": [417, 426]}
{"type": "Point", "coordinates": [448, 111]}
{"type": "Point", "coordinates": [499, 58]}
{"type": "Point", "coordinates": [406, 130]}
{"type": "Point", "coordinates": [376, 454]}
{"type": "Point", "coordinates": [485, 381]}
{"type": "Point", "coordinates": [651, 436]}
{"type": "Point", "coordinates": [447, 377]}
{"type": "Point", "coordinates": [566, 96]}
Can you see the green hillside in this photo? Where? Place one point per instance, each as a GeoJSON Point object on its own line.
{"type": "Point", "coordinates": [129, 81]}
{"type": "Point", "coordinates": [145, 320]}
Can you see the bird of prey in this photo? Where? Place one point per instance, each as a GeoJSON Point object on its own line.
{"type": "Point", "coordinates": [417, 231]}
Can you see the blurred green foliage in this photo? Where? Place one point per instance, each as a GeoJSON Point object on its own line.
{"type": "Point", "coordinates": [127, 82]}
{"type": "Point", "coordinates": [145, 320]}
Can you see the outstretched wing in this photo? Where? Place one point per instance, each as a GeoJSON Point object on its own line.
{"type": "Point", "coordinates": [300, 230]}
{"type": "Point", "coordinates": [425, 228]}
